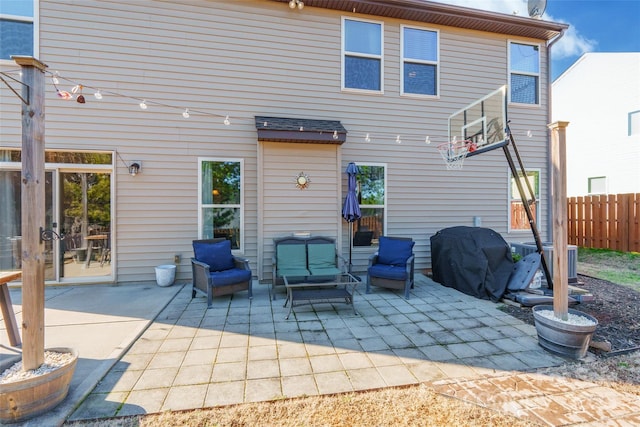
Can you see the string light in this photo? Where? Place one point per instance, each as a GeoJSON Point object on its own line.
{"type": "Point", "coordinates": [187, 112]}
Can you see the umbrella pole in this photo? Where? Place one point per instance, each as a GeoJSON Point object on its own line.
{"type": "Point", "coordinates": [350, 243]}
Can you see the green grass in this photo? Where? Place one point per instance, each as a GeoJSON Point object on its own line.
{"type": "Point", "coordinates": [622, 268]}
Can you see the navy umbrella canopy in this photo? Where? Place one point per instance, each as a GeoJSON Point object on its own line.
{"type": "Point", "coordinates": [351, 208]}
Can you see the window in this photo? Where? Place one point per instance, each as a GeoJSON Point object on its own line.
{"type": "Point", "coordinates": [524, 68]}
{"type": "Point", "coordinates": [362, 55]}
{"type": "Point", "coordinates": [371, 192]}
{"type": "Point", "coordinates": [17, 28]}
{"type": "Point", "coordinates": [598, 185]}
{"type": "Point", "coordinates": [419, 61]}
{"type": "Point", "coordinates": [634, 123]}
{"type": "Point", "coordinates": [518, 217]}
{"type": "Point", "coordinates": [221, 208]}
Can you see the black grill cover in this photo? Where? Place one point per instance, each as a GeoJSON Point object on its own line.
{"type": "Point", "coordinates": [476, 261]}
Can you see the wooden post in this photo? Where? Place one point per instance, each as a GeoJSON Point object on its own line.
{"type": "Point", "coordinates": [559, 213]}
{"type": "Point", "coordinates": [33, 215]}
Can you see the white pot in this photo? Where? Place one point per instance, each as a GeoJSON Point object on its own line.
{"type": "Point", "coordinates": [165, 275]}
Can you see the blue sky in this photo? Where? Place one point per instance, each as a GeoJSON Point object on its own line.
{"type": "Point", "coordinates": [595, 25]}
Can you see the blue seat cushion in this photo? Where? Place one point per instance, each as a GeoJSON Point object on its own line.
{"type": "Point", "coordinates": [217, 255]}
{"type": "Point", "coordinates": [390, 272]}
{"type": "Point", "coordinates": [230, 277]}
{"type": "Point", "coordinates": [394, 252]}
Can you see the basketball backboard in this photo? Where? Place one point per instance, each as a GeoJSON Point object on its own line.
{"type": "Point", "coordinates": [481, 124]}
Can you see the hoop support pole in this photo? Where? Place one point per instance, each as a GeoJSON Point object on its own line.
{"type": "Point", "coordinates": [527, 209]}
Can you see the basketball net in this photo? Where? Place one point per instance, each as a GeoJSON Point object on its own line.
{"type": "Point", "coordinates": [454, 152]}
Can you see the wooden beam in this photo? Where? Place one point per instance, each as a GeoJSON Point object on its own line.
{"type": "Point", "coordinates": [33, 212]}
{"type": "Point", "coordinates": [559, 213]}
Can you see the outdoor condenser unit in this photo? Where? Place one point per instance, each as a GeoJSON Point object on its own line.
{"type": "Point", "coordinates": [572, 250]}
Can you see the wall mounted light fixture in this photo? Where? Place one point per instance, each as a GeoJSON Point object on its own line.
{"type": "Point", "coordinates": [135, 167]}
{"type": "Point", "coordinates": [296, 3]}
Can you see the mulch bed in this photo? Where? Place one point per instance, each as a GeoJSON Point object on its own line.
{"type": "Point", "coordinates": [616, 307]}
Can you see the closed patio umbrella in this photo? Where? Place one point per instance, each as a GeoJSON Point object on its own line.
{"type": "Point", "coordinates": [351, 207]}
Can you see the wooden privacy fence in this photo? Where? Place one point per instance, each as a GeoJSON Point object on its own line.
{"type": "Point", "coordinates": [605, 222]}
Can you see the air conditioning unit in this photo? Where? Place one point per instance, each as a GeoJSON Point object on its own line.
{"type": "Point", "coordinates": [547, 247]}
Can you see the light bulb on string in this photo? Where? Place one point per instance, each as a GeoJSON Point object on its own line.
{"type": "Point", "coordinates": [530, 134]}
{"type": "Point", "coordinates": [227, 122]}
{"type": "Point", "coordinates": [335, 134]}
{"type": "Point", "coordinates": [398, 140]}
{"type": "Point", "coordinates": [185, 113]}
{"type": "Point", "coordinates": [427, 140]}
{"type": "Point", "coordinates": [98, 95]}
{"type": "Point", "coordinates": [143, 105]}
{"type": "Point", "coordinates": [54, 78]}
{"type": "Point", "coordinates": [367, 138]}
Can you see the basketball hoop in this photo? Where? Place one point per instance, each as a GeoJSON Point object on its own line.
{"type": "Point", "coordinates": [454, 152]}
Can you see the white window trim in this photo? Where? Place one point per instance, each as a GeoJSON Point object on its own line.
{"type": "Point", "coordinates": [418, 61]}
{"type": "Point", "coordinates": [201, 206]}
{"type": "Point", "coordinates": [510, 198]}
{"type": "Point", "coordinates": [361, 55]}
{"type": "Point", "coordinates": [524, 73]}
{"type": "Point", "coordinates": [606, 185]}
{"type": "Point", "coordinates": [631, 129]}
{"type": "Point", "coordinates": [36, 30]}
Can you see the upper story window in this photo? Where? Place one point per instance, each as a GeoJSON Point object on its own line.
{"type": "Point", "coordinates": [419, 61]}
{"type": "Point", "coordinates": [524, 71]}
{"type": "Point", "coordinates": [634, 123]}
{"type": "Point", "coordinates": [362, 55]}
{"type": "Point", "coordinates": [17, 28]}
{"type": "Point", "coordinates": [221, 208]}
{"type": "Point", "coordinates": [372, 195]}
{"type": "Point", "coordinates": [518, 219]}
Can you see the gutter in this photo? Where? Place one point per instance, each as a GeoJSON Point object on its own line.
{"type": "Point", "coordinates": [549, 119]}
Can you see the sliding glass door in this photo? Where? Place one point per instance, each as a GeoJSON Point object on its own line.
{"type": "Point", "coordinates": [78, 188]}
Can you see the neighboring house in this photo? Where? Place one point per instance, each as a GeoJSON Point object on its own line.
{"type": "Point", "coordinates": [599, 96]}
{"type": "Point", "coordinates": [245, 96]}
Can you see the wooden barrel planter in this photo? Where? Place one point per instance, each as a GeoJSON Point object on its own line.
{"type": "Point", "coordinates": [30, 397]}
{"type": "Point", "coordinates": [563, 338]}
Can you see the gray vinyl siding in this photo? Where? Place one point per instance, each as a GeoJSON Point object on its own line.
{"type": "Point", "coordinates": [248, 58]}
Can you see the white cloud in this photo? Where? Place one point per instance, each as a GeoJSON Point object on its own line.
{"type": "Point", "coordinates": [572, 42]}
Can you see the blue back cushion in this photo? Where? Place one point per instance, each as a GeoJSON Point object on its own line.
{"type": "Point", "coordinates": [394, 251]}
{"type": "Point", "coordinates": [217, 255]}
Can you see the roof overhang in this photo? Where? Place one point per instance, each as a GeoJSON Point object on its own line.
{"type": "Point", "coordinates": [286, 129]}
{"type": "Point", "coordinates": [445, 14]}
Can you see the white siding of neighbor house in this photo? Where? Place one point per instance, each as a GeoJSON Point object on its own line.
{"type": "Point", "coordinates": [247, 58]}
{"type": "Point", "coordinates": [595, 95]}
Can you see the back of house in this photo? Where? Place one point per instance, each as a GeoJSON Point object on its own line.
{"type": "Point", "coordinates": [240, 117]}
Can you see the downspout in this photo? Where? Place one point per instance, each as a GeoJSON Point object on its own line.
{"type": "Point", "coordinates": [549, 121]}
